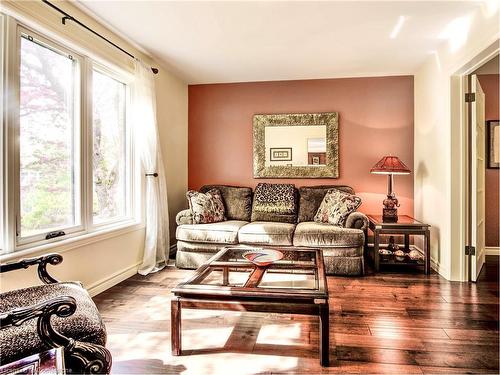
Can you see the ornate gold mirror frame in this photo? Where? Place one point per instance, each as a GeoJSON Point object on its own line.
{"type": "Point", "coordinates": [330, 170]}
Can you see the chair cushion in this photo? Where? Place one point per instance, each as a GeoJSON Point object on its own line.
{"type": "Point", "coordinates": [311, 198]}
{"type": "Point", "coordinates": [267, 233]}
{"type": "Point", "coordinates": [237, 200]}
{"type": "Point", "coordinates": [312, 234]}
{"type": "Point", "coordinates": [275, 202]}
{"type": "Point", "coordinates": [84, 325]}
{"type": "Point", "coordinates": [206, 207]}
{"type": "Point", "coordinates": [225, 232]}
{"type": "Point", "coordinates": [336, 207]}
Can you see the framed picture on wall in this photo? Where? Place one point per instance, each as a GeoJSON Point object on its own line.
{"type": "Point", "coordinates": [493, 134]}
{"type": "Point", "coordinates": [281, 154]}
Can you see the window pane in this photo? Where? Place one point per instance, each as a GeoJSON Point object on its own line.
{"type": "Point", "coordinates": [48, 151]}
{"type": "Point", "coordinates": [109, 148]}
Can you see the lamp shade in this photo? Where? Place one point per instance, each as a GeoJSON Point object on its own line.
{"type": "Point", "coordinates": [390, 165]}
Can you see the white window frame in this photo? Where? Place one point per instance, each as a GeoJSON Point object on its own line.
{"type": "Point", "coordinates": [23, 32]}
{"type": "Point", "coordinates": [11, 188]}
{"type": "Point", "coordinates": [130, 168]}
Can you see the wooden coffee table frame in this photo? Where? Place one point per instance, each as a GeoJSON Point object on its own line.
{"type": "Point", "coordinates": [250, 297]}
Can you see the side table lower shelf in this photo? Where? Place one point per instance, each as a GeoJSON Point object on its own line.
{"type": "Point", "coordinates": [406, 226]}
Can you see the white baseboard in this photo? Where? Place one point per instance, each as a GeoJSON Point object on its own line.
{"type": "Point", "coordinates": [117, 277]}
{"type": "Point", "coordinates": [490, 250]}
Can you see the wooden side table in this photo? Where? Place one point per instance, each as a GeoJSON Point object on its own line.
{"type": "Point", "coordinates": [405, 226]}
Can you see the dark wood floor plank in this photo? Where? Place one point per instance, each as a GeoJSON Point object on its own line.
{"type": "Point", "coordinates": [389, 323]}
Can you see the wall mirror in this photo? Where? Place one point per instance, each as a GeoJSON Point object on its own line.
{"type": "Point", "coordinates": [301, 145]}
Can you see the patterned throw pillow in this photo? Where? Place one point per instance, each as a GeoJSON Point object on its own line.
{"type": "Point", "coordinates": [274, 198]}
{"type": "Point", "coordinates": [336, 206]}
{"type": "Point", "coordinates": [206, 207]}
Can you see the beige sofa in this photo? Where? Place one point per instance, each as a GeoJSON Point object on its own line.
{"type": "Point", "coordinates": [342, 246]}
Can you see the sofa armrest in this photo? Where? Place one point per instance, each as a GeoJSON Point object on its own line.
{"type": "Point", "coordinates": [357, 220]}
{"type": "Point", "coordinates": [42, 263]}
{"type": "Point", "coordinates": [184, 217]}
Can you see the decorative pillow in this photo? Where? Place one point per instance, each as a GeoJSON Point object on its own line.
{"type": "Point", "coordinates": [237, 200]}
{"type": "Point", "coordinates": [311, 198]}
{"type": "Point", "coordinates": [274, 202]}
{"type": "Point", "coordinates": [336, 206]}
{"type": "Point", "coordinates": [206, 207]}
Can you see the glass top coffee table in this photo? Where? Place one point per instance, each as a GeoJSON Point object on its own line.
{"type": "Point", "coordinates": [295, 284]}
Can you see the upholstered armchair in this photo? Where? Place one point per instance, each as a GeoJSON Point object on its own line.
{"type": "Point", "coordinates": [55, 314]}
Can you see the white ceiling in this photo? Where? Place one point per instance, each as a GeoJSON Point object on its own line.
{"type": "Point", "coordinates": [234, 41]}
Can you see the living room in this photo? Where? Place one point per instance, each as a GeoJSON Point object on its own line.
{"type": "Point", "coordinates": [153, 152]}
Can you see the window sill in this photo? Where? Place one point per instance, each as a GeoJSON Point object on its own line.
{"type": "Point", "coordinates": [68, 244]}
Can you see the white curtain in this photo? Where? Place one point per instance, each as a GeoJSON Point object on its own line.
{"type": "Point", "coordinates": [156, 246]}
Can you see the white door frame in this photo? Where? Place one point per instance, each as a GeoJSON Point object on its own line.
{"type": "Point", "coordinates": [459, 157]}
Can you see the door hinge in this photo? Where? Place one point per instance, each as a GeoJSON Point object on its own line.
{"type": "Point", "coordinates": [470, 97]}
{"type": "Point", "coordinates": [470, 250]}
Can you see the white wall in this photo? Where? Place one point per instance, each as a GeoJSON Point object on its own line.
{"type": "Point", "coordinates": [437, 159]}
{"type": "Point", "coordinates": [101, 262]}
{"type": "Point", "coordinates": [172, 115]}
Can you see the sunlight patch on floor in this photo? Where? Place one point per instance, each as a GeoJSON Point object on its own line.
{"type": "Point", "coordinates": [205, 338]}
{"type": "Point", "coordinates": [279, 334]}
{"type": "Point", "coordinates": [233, 363]}
{"type": "Point", "coordinates": [138, 346]}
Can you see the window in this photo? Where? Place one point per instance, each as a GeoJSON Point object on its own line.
{"type": "Point", "coordinates": [49, 155]}
{"type": "Point", "coordinates": [109, 152]}
{"type": "Point", "coordinates": [69, 152]}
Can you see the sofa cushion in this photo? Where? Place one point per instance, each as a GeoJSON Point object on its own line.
{"type": "Point", "coordinates": [311, 198]}
{"type": "Point", "coordinates": [237, 200]}
{"type": "Point", "coordinates": [223, 232]}
{"type": "Point", "coordinates": [206, 207]}
{"type": "Point", "coordinates": [336, 207]}
{"type": "Point", "coordinates": [312, 234]}
{"type": "Point", "coordinates": [267, 233]}
{"type": "Point", "coordinates": [275, 202]}
{"type": "Point", "coordinates": [20, 341]}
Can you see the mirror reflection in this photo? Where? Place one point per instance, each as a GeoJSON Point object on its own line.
{"type": "Point", "coordinates": [295, 145]}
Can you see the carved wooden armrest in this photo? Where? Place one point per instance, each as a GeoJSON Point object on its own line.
{"type": "Point", "coordinates": [42, 262]}
{"type": "Point", "coordinates": [81, 357]}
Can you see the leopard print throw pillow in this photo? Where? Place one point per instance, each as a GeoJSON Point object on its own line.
{"type": "Point", "coordinates": [206, 207]}
{"type": "Point", "coordinates": [336, 206]}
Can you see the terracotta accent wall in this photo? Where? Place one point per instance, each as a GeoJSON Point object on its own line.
{"type": "Point", "coordinates": [490, 85]}
{"type": "Point", "coordinates": [375, 119]}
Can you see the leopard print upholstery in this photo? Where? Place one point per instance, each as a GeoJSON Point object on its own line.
{"type": "Point", "coordinates": [275, 202]}
{"type": "Point", "coordinates": [85, 324]}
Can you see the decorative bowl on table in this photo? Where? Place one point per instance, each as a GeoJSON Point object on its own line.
{"type": "Point", "coordinates": [385, 254]}
{"type": "Point", "coordinates": [400, 255]}
{"type": "Point", "coordinates": [416, 255]}
{"type": "Point", "coordinates": [262, 257]}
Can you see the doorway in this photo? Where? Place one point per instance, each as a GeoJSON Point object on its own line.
{"type": "Point", "coordinates": [483, 173]}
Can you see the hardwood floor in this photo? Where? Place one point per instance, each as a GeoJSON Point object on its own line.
{"type": "Point", "coordinates": [384, 323]}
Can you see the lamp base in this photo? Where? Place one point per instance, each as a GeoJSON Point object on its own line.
{"type": "Point", "coordinates": [390, 211]}
{"type": "Point", "coordinates": [390, 215]}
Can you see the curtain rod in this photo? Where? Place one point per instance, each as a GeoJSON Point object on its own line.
{"type": "Point", "coordinates": [70, 18]}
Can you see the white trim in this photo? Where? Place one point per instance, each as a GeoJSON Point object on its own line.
{"type": "Point", "coordinates": [492, 250]}
{"type": "Point", "coordinates": [459, 116]}
{"type": "Point", "coordinates": [436, 266]}
{"type": "Point", "coordinates": [72, 243]}
{"type": "Point", "coordinates": [110, 281]}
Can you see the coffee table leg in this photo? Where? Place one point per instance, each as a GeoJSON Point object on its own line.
{"type": "Point", "coordinates": [324, 334]}
{"type": "Point", "coordinates": [175, 331]}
